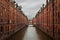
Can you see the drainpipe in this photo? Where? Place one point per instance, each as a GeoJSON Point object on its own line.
{"type": "Point", "coordinates": [47, 12]}
{"type": "Point", "coordinates": [53, 16]}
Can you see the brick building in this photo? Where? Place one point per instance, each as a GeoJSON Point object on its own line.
{"type": "Point", "coordinates": [48, 18]}
{"type": "Point", "coordinates": [11, 17]}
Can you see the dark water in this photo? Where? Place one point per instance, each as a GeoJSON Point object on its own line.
{"type": "Point", "coordinates": [29, 33]}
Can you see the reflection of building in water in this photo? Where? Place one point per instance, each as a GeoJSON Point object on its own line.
{"type": "Point", "coordinates": [30, 22]}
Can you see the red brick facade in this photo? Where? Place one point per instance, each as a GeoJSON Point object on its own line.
{"type": "Point", "coordinates": [34, 21]}
{"type": "Point", "coordinates": [48, 20]}
{"type": "Point", "coordinates": [11, 18]}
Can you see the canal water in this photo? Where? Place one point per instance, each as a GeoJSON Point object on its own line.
{"type": "Point", "coordinates": [29, 33]}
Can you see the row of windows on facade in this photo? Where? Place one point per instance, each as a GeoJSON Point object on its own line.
{"type": "Point", "coordinates": [1, 28]}
{"type": "Point", "coordinates": [9, 21]}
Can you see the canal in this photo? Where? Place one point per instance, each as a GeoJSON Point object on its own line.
{"type": "Point", "coordinates": [29, 33]}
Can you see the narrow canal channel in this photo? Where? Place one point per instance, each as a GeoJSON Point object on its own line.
{"type": "Point", "coordinates": [29, 33]}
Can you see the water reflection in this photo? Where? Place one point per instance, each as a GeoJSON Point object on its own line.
{"type": "Point", "coordinates": [42, 36]}
{"type": "Point", "coordinates": [19, 35]}
{"type": "Point", "coordinates": [29, 33]}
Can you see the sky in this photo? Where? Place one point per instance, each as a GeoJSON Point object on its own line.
{"type": "Point", "coordinates": [30, 7]}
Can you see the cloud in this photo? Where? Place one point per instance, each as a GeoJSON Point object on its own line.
{"type": "Point", "coordinates": [30, 7]}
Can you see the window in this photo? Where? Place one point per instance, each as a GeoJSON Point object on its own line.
{"type": "Point", "coordinates": [5, 10]}
{"type": "Point", "coordinates": [59, 31]}
{"type": "Point", "coordinates": [58, 14]}
{"type": "Point", "coordinates": [58, 17]}
{"type": "Point", "coordinates": [0, 14]}
{"type": "Point", "coordinates": [1, 20]}
{"type": "Point", "coordinates": [55, 7]}
{"type": "Point", "coordinates": [1, 28]}
{"type": "Point", "coordinates": [13, 22]}
{"type": "Point", "coordinates": [8, 22]}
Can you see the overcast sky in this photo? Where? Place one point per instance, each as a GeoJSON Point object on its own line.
{"type": "Point", "coordinates": [30, 7]}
